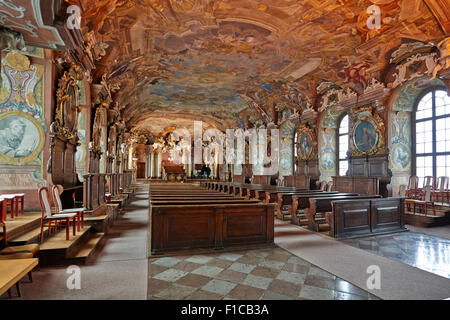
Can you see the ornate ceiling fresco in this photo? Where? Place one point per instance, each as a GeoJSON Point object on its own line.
{"type": "Point", "coordinates": [174, 61]}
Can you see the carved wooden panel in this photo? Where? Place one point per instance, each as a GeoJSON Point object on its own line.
{"type": "Point", "coordinates": [387, 214]}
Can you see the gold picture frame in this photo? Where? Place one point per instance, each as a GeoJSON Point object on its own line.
{"type": "Point", "coordinates": [367, 135]}
{"type": "Point", "coordinates": [32, 156]}
{"type": "Point", "coordinates": [306, 143]}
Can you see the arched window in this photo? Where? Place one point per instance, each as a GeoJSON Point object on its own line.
{"type": "Point", "coordinates": [343, 145]}
{"type": "Point", "coordinates": [432, 134]}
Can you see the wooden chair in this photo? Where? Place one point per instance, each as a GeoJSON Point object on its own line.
{"type": "Point", "coordinates": [56, 189]}
{"type": "Point", "coordinates": [441, 193]}
{"type": "Point", "coordinates": [413, 187]}
{"type": "Point", "coordinates": [19, 198]}
{"type": "Point", "coordinates": [330, 186]}
{"type": "Point", "coordinates": [18, 252]}
{"type": "Point", "coordinates": [2, 210]}
{"type": "Point", "coordinates": [48, 217]}
{"type": "Point", "coordinates": [426, 201]}
{"type": "Point", "coordinates": [9, 199]}
{"type": "Point", "coordinates": [429, 181]}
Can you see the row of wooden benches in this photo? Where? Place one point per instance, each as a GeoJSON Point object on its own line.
{"type": "Point", "coordinates": [356, 214]}
{"type": "Point", "coordinates": [187, 217]}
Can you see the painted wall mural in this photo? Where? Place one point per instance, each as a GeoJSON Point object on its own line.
{"type": "Point", "coordinates": [409, 93]}
{"type": "Point", "coordinates": [22, 122]}
{"type": "Point", "coordinates": [82, 149]}
{"type": "Point", "coordinates": [327, 143]}
{"type": "Point", "coordinates": [401, 142]}
{"type": "Point", "coordinates": [287, 149]}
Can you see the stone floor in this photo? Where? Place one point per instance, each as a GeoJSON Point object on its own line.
{"type": "Point", "coordinates": [422, 251]}
{"type": "Point", "coordinates": [263, 274]}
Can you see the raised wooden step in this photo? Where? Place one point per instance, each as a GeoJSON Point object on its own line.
{"type": "Point", "coordinates": [56, 249]}
{"type": "Point", "coordinates": [86, 249]}
{"type": "Point", "coordinates": [426, 221]}
{"type": "Point", "coordinates": [22, 224]}
{"type": "Point", "coordinates": [32, 236]}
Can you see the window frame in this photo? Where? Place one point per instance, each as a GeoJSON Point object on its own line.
{"type": "Point", "coordinates": [338, 151]}
{"type": "Point", "coordinates": [434, 154]}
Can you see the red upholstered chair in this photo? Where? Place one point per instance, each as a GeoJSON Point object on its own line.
{"type": "Point", "coordinates": [48, 217]}
{"type": "Point", "coordinates": [56, 191]}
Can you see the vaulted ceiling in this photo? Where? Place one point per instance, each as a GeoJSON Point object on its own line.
{"type": "Point", "coordinates": [182, 60]}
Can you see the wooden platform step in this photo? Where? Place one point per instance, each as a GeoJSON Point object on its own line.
{"type": "Point", "coordinates": [56, 249]}
{"type": "Point", "coordinates": [22, 224]}
{"type": "Point", "coordinates": [426, 221]}
{"type": "Point", "coordinates": [86, 249]}
{"type": "Point", "coordinates": [32, 236]}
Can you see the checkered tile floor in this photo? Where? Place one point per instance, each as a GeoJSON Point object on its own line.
{"type": "Point", "coordinates": [265, 274]}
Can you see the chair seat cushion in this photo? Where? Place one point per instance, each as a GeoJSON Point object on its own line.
{"type": "Point", "coordinates": [24, 255]}
{"type": "Point", "coordinates": [73, 210]}
{"type": "Point", "coordinates": [28, 248]}
{"type": "Point", "coordinates": [62, 215]}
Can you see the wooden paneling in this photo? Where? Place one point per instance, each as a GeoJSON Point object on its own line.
{"type": "Point", "coordinates": [361, 185]}
{"type": "Point", "coordinates": [366, 217]}
{"type": "Point", "coordinates": [210, 226]}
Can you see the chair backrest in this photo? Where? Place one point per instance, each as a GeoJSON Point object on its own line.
{"type": "Point", "coordinates": [413, 182]}
{"type": "Point", "coordinates": [56, 191]}
{"type": "Point", "coordinates": [44, 200]}
{"type": "Point", "coordinates": [428, 181]}
{"type": "Point", "coordinates": [442, 184]}
{"type": "Point", "coordinates": [330, 187]}
{"type": "Point", "coordinates": [427, 193]}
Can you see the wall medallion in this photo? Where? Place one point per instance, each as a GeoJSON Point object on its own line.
{"type": "Point", "coordinates": [21, 138]}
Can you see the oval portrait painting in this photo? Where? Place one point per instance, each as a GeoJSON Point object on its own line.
{"type": "Point", "coordinates": [305, 145]}
{"type": "Point", "coordinates": [21, 137]}
{"type": "Point", "coordinates": [365, 136]}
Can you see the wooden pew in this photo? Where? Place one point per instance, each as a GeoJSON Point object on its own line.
{"type": "Point", "coordinates": [301, 202]}
{"type": "Point", "coordinates": [200, 201]}
{"type": "Point", "coordinates": [285, 198]}
{"type": "Point", "coordinates": [323, 205]}
{"type": "Point", "coordinates": [350, 218]}
{"type": "Point", "coordinates": [215, 226]}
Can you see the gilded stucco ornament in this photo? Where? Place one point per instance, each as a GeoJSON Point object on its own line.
{"type": "Point", "coordinates": [68, 101]}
